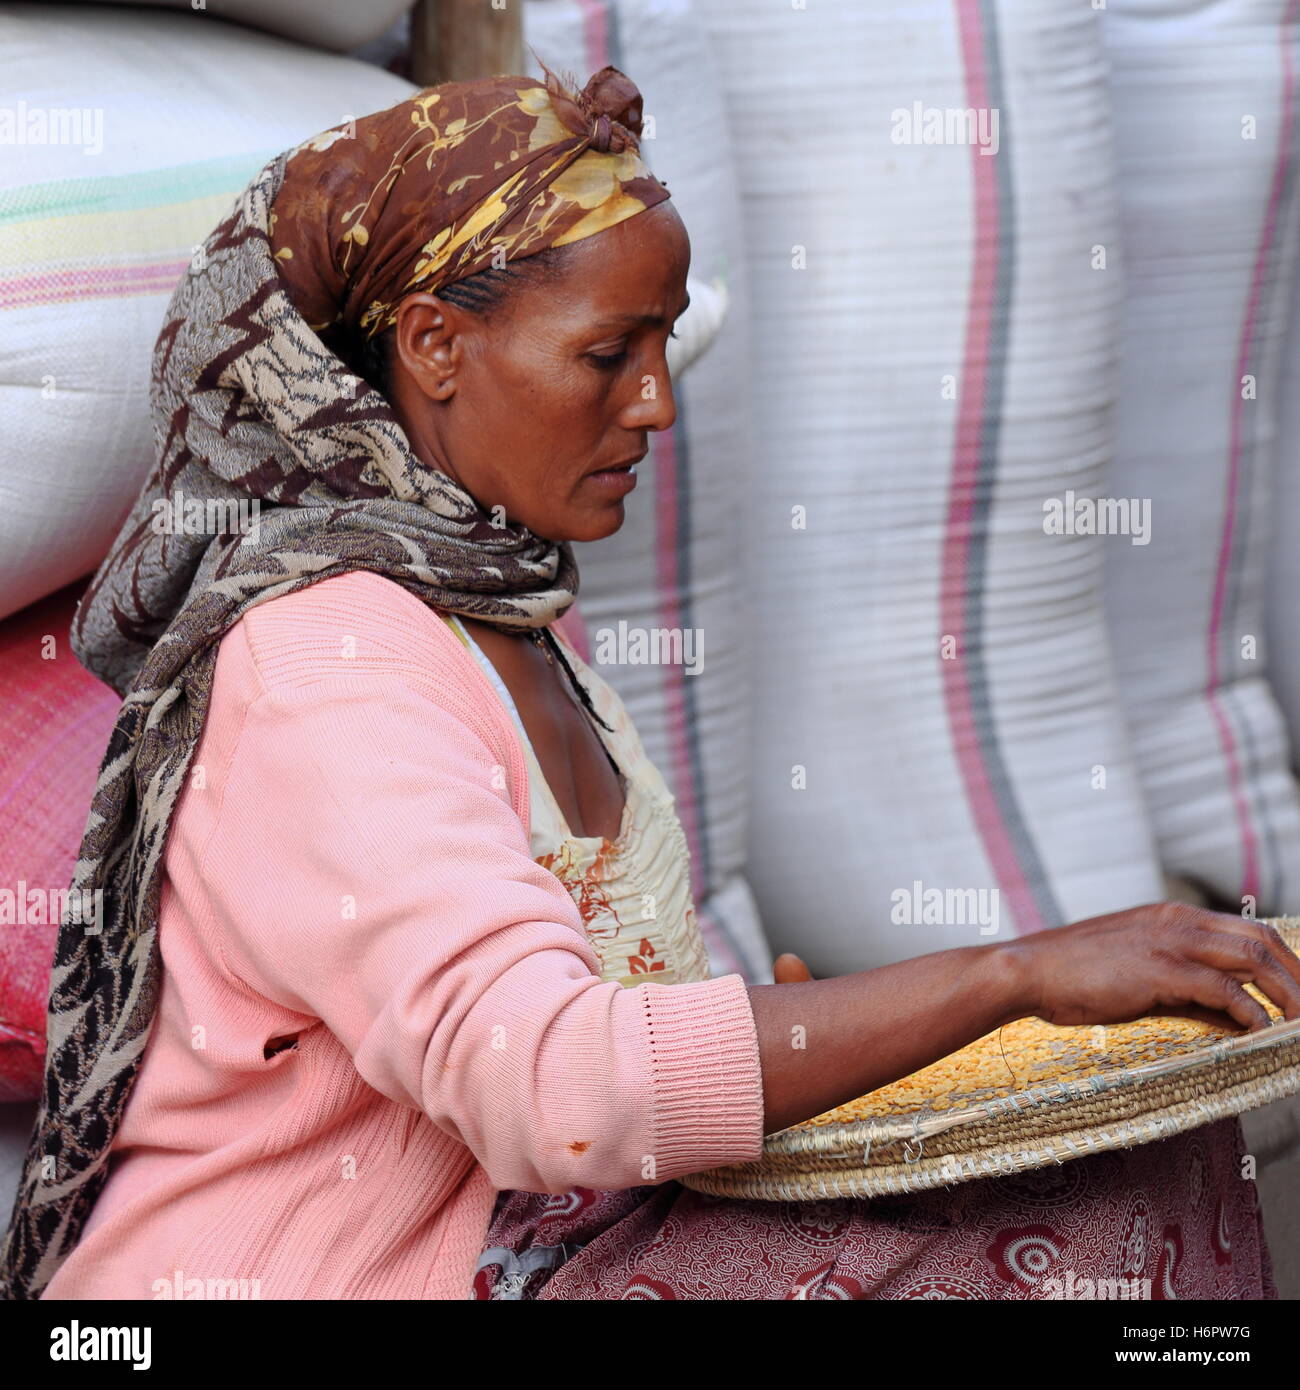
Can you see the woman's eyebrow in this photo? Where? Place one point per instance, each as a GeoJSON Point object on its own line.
{"type": "Point", "coordinates": [641, 320]}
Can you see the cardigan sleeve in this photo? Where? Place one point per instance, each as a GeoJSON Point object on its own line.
{"type": "Point", "coordinates": [367, 868]}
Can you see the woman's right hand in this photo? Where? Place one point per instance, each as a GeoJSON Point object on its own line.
{"type": "Point", "coordinates": [1163, 958]}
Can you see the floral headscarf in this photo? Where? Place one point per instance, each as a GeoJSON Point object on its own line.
{"type": "Point", "coordinates": [455, 179]}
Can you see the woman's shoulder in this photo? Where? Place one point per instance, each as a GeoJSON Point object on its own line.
{"type": "Point", "coordinates": [355, 634]}
{"type": "Point", "coordinates": [351, 625]}
{"type": "Point", "coordinates": [360, 637]}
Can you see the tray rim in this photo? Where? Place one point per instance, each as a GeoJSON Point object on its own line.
{"type": "Point", "coordinates": [752, 1181]}
{"type": "Point", "coordinates": [889, 1130]}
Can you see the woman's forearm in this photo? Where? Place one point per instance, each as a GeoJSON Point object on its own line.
{"type": "Point", "coordinates": [825, 1042]}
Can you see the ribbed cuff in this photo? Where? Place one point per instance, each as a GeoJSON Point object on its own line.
{"type": "Point", "coordinates": [706, 1073]}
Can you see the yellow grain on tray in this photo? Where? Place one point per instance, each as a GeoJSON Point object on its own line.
{"type": "Point", "coordinates": [1029, 1053]}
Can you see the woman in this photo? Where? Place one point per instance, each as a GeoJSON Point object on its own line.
{"type": "Point", "coordinates": [386, 874]}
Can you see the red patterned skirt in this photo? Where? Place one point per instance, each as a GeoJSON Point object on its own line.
{"type": "Point", "coordinates": [1175, 1219]}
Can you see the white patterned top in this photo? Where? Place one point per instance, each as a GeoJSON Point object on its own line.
{"type": "Point", "coordinates": [633, 892]}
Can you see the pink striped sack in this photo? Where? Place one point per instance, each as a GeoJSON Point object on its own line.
{"type": "Point", "coordinates": [1274, 1133]}
{"type": "Point", "coordinates": [131, 134]}
{"type": "Point", "coordinates": [1204, 114]}
{"type": "Point", "coordinates": [1282, 581]}
{"type": "Point", "coordinates": [55, 719]}
{"type": "Point", "coordinates": [938, 758]}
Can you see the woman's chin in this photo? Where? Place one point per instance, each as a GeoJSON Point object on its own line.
{"type": "Point", "coordinates": [590, 523]}
{"type": "Point", "coordinates": [611, 518]}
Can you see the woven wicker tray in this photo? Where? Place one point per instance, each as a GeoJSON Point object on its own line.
{"type": "Point", "coordinates": [1027, 1096]}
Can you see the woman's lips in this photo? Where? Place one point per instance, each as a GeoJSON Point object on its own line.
{"type": "Point", "coordinates": [616, 480]}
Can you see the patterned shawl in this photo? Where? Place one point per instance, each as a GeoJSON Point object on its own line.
{"type": "Point", "coordinates": [252, 407]}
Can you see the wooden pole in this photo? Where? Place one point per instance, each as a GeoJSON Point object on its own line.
{"type": "Point", "coordinates": [454, 40]}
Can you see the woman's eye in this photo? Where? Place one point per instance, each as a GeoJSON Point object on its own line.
{"type": "Point", "coordinates": [607, 362]}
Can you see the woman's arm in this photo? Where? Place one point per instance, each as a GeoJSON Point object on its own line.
{"type": "Point", "coordinates": [826, 1042]}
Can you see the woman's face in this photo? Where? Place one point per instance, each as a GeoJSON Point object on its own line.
{"type": "Point", "coordinates": [525, 405]}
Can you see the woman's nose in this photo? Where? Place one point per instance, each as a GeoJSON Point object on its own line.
{"type": "Point", "coordinates": [654, 406]}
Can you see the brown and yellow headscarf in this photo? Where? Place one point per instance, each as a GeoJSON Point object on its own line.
{"type": "Point", "coordinates": [456, 179]}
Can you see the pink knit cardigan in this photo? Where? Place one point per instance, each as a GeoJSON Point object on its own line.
{"type": "Point", "coordinates": [349, 864]}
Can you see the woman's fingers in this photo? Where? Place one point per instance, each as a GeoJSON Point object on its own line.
{"type": "Point", "coordinates": [1212, 989]}
{"type": "Point", "coordinates": [1285, 957]}
{"type": "Point", "coordinates": [1248, 956]}
{"type": "Point", "coordinates": [1254, 930]}
{"type": "Point", "coordinates": [788, 969]}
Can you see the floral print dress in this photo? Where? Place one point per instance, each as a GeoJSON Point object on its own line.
{"type": "Point", "coordinates": [1177, 1219]}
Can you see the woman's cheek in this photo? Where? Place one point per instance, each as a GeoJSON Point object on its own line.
{"type": "Point", "coordinates": [576, 416]}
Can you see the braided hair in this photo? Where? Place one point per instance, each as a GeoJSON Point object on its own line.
{"type": "Point", "coordinates": [551, 641]}
{"type": "Point", "coordinates": [482, 294]}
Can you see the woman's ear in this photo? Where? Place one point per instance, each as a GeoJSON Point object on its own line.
{"type": "Point", "coordinates": [427, 343]}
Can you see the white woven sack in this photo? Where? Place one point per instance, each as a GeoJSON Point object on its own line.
{"type": "Point", "coordinates": [337, 24]}
{"type": "Point", "coordinates": [674, 564]}
{"type": "Point", "coordinates": [938, 372]}
{"type": "Point", "coordinates": [1273, 1134]}
{"type": "Point", "coordinates": [160, 121]}
{"type": "Point", "coordinates": [1205, 139]}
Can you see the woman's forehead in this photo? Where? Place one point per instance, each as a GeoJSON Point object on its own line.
{"type": "Point", "coordinates": [631, 276]}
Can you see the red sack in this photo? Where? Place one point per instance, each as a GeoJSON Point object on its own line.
{"type": "Point", "coordinates": [55, 721]}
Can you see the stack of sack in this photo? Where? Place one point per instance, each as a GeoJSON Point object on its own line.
{"type": "Point", "coordinates": [173, 115]}
{"type": "Point", "coordinates": [1204, 113]}
{"type": "Point", "coordinates": [341, 25]}
{"type": "Point", "coordinates": [1020, 278]}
